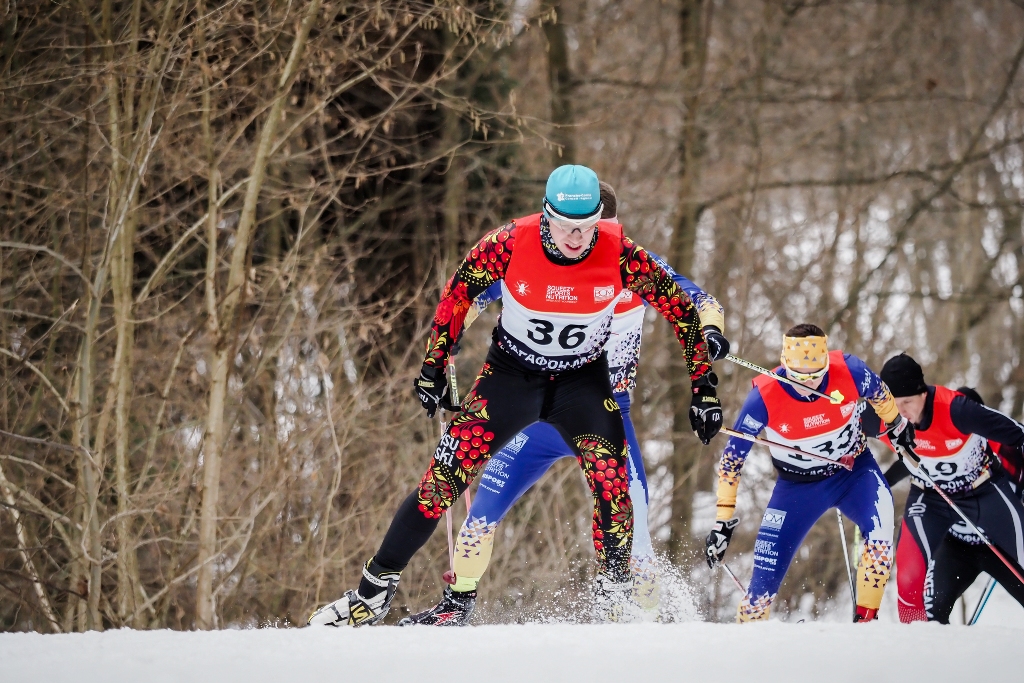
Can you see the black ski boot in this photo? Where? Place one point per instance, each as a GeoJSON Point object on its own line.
{"type": "Point", "coordinates": [455, 609]}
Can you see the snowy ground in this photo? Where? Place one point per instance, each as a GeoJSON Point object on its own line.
{"type": "Point", "coordinates": [557, 652]}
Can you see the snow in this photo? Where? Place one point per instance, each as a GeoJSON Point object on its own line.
{"type": "Point", "coordinates": [695, 651]}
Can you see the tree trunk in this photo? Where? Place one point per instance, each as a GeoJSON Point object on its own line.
{"type": "Point", "coordinates": [224, 349]}
{"type": "Point", "coordinates": [690, 470]}
{"type": "Point", "coordinates": [560, 81]}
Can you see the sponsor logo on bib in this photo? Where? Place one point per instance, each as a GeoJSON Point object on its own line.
{"type": "Point", "coordinates": [604, 293]}
{"type": "Point", "coordinates": [784, 428]}
{"type": "Point", "coordinates": [522, 288]}
{"type": "Point", "coordinates": [561, 293]}
{"type": "Point", "coordinates": [954, 443]}
{"type": "Point", "coordinates": [773, 519]}
{"type": "Point", "coordinates": [847, 409]}
{"type": "Point", "coordinates": [816, 421]}
{"type": "Point", "coordinates": [923, 445]}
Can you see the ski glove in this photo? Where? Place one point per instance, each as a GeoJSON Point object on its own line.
{"type": "Point", "coordinates": [706, 409]}
{"type": "Point", "coordinates": [432, 390]}
{"type": "Point", "coordinates": [718, 345]}
{"type": "Point", "coordinates": [901, 433]}
{"type": "Point", "coordinates": [718, 540]}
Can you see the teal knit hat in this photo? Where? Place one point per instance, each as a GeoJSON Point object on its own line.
{"type": "Point", "coordinates": [573, 192]}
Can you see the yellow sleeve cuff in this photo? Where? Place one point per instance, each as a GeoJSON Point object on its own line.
{"type": "Point", "coordinates": [886, 408]}
{"type": "Point", "coordinates": [726, 508]}
{"type": "Point", "coordinates": [711, 313]}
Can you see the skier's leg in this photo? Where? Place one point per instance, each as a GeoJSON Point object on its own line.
{"type": "Point", "coordinates": [926, 520]}
{"type": "Point", "coordinates": [910, 571]}
{"type": "Point", "coordinates": [511, 472]}
{"type": "Point", "coordinates": [993, 566]}
{"type": "Point", "coordinates": [868, 502]}
{"type": "Point", "coordinates": [956, 568]}
{"type": "Point", "coordinates": [792, 511]}
{"type": "Point", "coordinates": [646, 587]}
{"type": "Point", "coordinates": [581, 406]}
{"type": "Point", "coordinates": [503, 400]}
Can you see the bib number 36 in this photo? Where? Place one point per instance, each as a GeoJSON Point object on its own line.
{"type": "Point", "coordinates": [569, 337]}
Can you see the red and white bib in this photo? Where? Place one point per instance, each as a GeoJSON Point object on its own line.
{"type": "Point", "coordinates": [558, 317]}
{"type": "Point", "coordinates": [952, 459]}
{"type": "Point", "coordinates": [820, 427]}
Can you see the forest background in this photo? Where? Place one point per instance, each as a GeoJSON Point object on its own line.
{"type": "Point", "coordinates": [226, 224]}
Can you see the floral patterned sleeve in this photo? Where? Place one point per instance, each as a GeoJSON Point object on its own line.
{"type": "Point", "coordinates": [483, 266]}
{"type": "Point", "coordinates": [642, 274]}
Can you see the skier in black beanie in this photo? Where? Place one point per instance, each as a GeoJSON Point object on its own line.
{"type": "Point", "coordinates": [938, 556]}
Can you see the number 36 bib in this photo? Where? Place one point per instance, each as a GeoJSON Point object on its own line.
{"type": "Point", "coordinates": [558, 317]}
{"type": "Point", "coordinates": [827, 430]}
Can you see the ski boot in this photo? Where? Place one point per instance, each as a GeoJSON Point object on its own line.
{"type": "Point", "coordinates": [865, 614]}
{"type": "Point", "coordinates": [455, 609]}
{"type": "Point", "coordinates": [613, 601]}
{"type": "Point", "coordinates": [352, 609]}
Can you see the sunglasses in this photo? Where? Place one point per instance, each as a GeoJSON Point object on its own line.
{"type": "Point", "coordinates": [584, 225]}
{"type": "Point", "coordinates": [804, 376]}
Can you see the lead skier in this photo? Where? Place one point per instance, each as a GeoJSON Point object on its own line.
{"type": "Point", "coordinates": [939, 556]}
{"type": "Point", "coordinates": [562, 272]}
{"type": "Point", "coordinates": [523, 461]}
{"type": "Point", "coordinates": [808, 487]}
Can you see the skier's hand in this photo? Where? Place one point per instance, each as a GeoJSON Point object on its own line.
{"type": "Point", "coordinates": [706, 409]}
{"type": "Point", "coordinates": [432, 390]}
{"type": "Point", "coordinates": [718, 345]}
{"type": "Point", "coordinates": [901, 433]}
{"type": "Point", "coordinates": [718, 540]}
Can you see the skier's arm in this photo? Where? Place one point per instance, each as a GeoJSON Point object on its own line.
{"type": "Point", "coordinates": [871, 387]}
{"type": "Point", "coordinates": [643, 275]}
{"type": "Point", "coordinates": [711, 312]}
{"type": "Point", "coordinates": [973, 418]}
{"type": "Point", "coordinates": [486, 298]}
{"type": "Point", "coordinates": [751, 420]}
{"type": "Point", "coordinates": [483, 266]}
{"type": "Point", "coordinates": [896, 473]}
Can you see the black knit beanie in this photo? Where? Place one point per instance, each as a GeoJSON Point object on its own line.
{"type": "Point", "coordinates": [903, 376]}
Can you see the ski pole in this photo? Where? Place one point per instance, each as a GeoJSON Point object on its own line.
{"type": "Point", "coordinates": [989, 587]}
{"type": "Point", "coordinates": [453, 391]}
{"type": "Point", "coordinates": [846, 556]}
{"type": "Point", "coordinates": [835, 397]}
{"type": "Point", "coordinates": [845, 462]}
{"type": "Point", "coordinates": [733, 577]}
{"type": "Point", "coordinates": [914, 463]}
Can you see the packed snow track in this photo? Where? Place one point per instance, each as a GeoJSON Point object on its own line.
{"type": "Point", "coordinates": [699, 652]}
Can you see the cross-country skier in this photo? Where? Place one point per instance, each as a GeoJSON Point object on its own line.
{"type": "Point", "coordinates": [939, 556]}
{"type": "Point", "coordinates": [807, 487]}
{"type": "Point", "coordinates": [1010, 459]}
{"type": "Point", "coordinates": [562, 272]}
{"type": "Point", "coordinates": [524, 460]}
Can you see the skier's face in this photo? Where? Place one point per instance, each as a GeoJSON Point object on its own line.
{"type": "Point", "coordinates": [911, 407]}
{"type": "Point", "coordinates": [571, 240]}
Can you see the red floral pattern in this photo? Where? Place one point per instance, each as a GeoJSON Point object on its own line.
{"type": "Point", "coordinates": [605, 471]}
{"type": "Point", "coordinates": [643, 275]}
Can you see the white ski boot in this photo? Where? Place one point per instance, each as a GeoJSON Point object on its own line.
{"type": "Point", "coordinates": [613, 601]}
{"type": "Point", "coordinates": [353, 609]}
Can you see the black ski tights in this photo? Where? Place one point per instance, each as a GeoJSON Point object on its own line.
{"type": "Point", "coordinates": [957, 565]}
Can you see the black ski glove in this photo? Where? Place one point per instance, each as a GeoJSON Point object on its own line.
{"type": "Point", "coordinates": [432, 390]}
{"type": "Point", "coordinates": [718, 345]}
{"type": "Point", "coordinates": [706, 409]}
{"type": "Point", "coordinates": [718, 540]}
{"type": "Point", "coordinates": [901, 434]}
